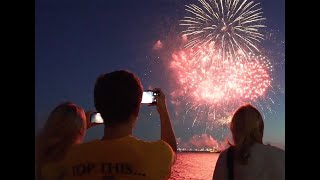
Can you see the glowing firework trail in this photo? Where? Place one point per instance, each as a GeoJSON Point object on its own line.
{"type": "Point", "coordinates": [226, 26]}
{"type": "Point", "coordinates": [218, 91]}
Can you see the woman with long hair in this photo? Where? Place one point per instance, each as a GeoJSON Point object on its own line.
{"type": "Point", "coordinates": [65, 126]}
{"type": "Point", "coordinates": [248, 158]}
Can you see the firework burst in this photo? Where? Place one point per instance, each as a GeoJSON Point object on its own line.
{"type": "Point", "coordinates": [226, 26]}
{"type": "Point", "coordinates": [217, 91]}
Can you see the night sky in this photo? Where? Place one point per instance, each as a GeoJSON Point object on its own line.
{"type": "Point", "coordinates": [78, 40]}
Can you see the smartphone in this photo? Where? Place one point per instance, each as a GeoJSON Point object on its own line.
{"type": "Point", "coordinates": [95, 117]}
{"type": "Point", "coordinates": [148, 97]}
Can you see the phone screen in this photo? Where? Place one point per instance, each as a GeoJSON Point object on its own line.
{"type": "Point", "coordinates": [96, 118]}
{"type": "Point", "coordinates": [148, 97]}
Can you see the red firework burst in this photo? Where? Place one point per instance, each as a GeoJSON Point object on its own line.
{"type": "Point", "coordinates": [222, 86]}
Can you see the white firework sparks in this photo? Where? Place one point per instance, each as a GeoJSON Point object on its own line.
{"type": "Point", "coordinates": [226, 26]}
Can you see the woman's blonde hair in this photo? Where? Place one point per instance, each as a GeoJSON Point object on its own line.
{"type": "Point", "coordinates": [246, 128]}
{"type": "Point", "coordinates": [65, 126]}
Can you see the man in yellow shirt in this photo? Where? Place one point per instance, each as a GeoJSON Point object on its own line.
{"type": "Point", "coordinates": [120, 155]}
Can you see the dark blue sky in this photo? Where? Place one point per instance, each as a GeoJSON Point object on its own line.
{"type": "Point", "coordinates": [78, 40]}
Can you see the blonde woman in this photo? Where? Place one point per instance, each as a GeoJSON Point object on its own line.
{"type": "Point", "coordinates": [249, 158]}
{"type": "Point", "coordinates": [66, 125]}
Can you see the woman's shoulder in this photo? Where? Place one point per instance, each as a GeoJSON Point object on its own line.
{"type": "Point", "coordinates": [269, 149]}
{"type": "Point", "coordinates": [273, 148]}
{"type": "Point", "coordinates": [223, 153]}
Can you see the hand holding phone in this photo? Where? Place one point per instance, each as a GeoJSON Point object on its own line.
{"type": "Point", "coordinates": [161, 101]}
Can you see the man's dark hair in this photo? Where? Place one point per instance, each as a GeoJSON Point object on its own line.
{"type": "Point", "coordinates": [117, 95]}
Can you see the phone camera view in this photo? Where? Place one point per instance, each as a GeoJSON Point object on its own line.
{"type": "Point", "coordinates": [148, 97]}
{"type": "Point", "coordinates": [96, 118]}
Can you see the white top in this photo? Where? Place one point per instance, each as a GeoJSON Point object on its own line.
{"type": "Point", "coordinates": [265, 162]}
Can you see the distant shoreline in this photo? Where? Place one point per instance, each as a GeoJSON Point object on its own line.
{"type": "Point", "coordinates": [198, 152]}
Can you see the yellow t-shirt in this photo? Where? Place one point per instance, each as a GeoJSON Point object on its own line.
{"type": "Point", "coordinates": [51, 171]}
{"type": "Point", "coordinates": [123, 158]}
